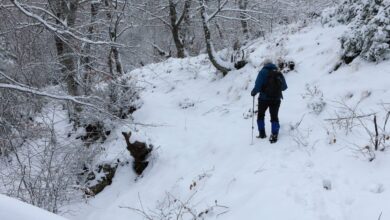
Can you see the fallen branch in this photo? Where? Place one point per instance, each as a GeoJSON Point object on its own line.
{"type": "Point", "coordinates": [348, 118]}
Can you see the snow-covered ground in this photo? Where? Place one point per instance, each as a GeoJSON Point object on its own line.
{"type": "Point", "coordinates": [200, 126]}
{"type": "Point", "coordinates": [13, 209]}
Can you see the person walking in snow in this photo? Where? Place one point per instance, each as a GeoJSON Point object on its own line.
{"type": "Point", "coordinates": [269, 83]}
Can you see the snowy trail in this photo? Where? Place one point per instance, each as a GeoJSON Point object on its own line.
{"type": "Point", "coordinates": [209, 143]}
{"type": "Point", "coordinates": [220, 141]}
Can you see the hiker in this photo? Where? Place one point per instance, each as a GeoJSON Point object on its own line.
{"type": "Point", "coordinates": [269, 83]}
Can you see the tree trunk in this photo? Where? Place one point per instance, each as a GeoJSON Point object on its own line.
{"type": "Point", "coordinates": [175, 26]}
{"type": "Point", "coordinates": [178, 42]}
{"type": "Point", "coordinates": [243, 4]}
{"type": "Point", "coordinates": [209, 45]}
{"type": "Point", "coordinates": [110, 62]}
{"type": "Point", "coordinates": [66, 11]}
{"type": "Point", "coordinates": [86, 61]}
{"type": "Point", "coordinates": [114, 56]}
{"type": "Point", "coordinates": [117, 59]}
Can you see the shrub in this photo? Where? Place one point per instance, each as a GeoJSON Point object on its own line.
{"type": "Point", "coordinates": [368, 35]}
{"type": "Point", "coordinates": [315, 99]}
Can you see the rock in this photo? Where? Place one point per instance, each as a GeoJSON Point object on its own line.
{"type": "Point", "coordinates": [139, 151]}
{"type": "Point", "coordinates": [106, 173]}
{"type": "Point", "coordinates": [94, 132]}
{"type": "Point", "coordinates": [240, 64]}
{"type": "Point", "coordinates": [327, 184]}
{"type": "Point", "coordinates": [285, 66]}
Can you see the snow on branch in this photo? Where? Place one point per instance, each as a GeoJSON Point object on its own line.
{"type": "Point", "coordinates": [219, 9]}
{"type": "Point", "coordinates": [53, 28]}
{"type": "Point", "coordinates": [154, 16]}
{"type": "Point", "coordinates": [74, 99]}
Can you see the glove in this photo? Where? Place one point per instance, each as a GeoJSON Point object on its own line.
{"type": "Point", "coordinates": [253, 93]}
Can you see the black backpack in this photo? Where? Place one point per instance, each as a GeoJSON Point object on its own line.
{"type": "Point", "coordinates": [273, 85]}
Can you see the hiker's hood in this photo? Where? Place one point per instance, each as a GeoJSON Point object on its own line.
{"type": "Point", "coordinates": [270, 66]}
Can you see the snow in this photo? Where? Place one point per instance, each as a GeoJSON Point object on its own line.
{"type": "Point", "coordinates": [207, 142]}
{"type": "Point", "coordinates": [13, 209]}
{"type": "Point", "coordinates": [23, 88]}
{"type": "Point", "coordinates": [53, 28]}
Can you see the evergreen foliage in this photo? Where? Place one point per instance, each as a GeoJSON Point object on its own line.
{"type": "Point", "coordinates": [369, 29]}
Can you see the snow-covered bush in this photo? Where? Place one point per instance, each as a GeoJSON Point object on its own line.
{"type": "Point", "coordinates": [122, 97]}
{"type": "Point", "coordinates": [16, 110]}
{"type": "Point", "coordinates": [371, 127]}
{"type": "Point", "coordinates": [183, 207]}
{"type": "Point", "coordinates": [369, 29]}
{"type": "Point", "coordinates": [301, 135]}
{"type": "Point", "coordinates": [315, 99]}
{"type": "Point", "coordinates": [117, 98]}
{"type": "Point", "coordinates": [42, 170]}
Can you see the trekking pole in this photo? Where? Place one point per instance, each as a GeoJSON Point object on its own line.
{"type": "Point", "coordinates": [253, 118]}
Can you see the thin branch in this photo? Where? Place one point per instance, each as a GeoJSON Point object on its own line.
{"type": "Point", "coordinates": [348, 118]}
{"type": "Point", "coordinates": [74, 99]}
{"type": "Point", "coordinates": [54, 29]}
{"type": "Point", "coordinates": [154, 16]}
{"type": "Point", "coordinates": [220, 7]}
{"type": "Point", "coordinates": [10, 79]}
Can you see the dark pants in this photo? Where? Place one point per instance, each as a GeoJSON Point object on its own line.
{"type": "Point", "coordinates": [273, 106]}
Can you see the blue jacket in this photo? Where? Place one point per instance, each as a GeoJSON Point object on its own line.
{"type": "Point", "coordinates": [262, 79]}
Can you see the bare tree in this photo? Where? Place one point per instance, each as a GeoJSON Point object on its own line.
{"type": "Point", "coordinates": [174, 18]}
{"type": "Point", "coordinates": [176, 22]}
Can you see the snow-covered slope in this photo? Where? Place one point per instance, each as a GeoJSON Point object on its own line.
{"type": "Point", "coordinates": [203, 157]}
{"type": "Point", "coordinates": [13, 209]}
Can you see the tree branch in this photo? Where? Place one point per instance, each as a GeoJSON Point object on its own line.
{"type": "Point", "coordinates": [52, 96]}
{"type": "Point", "coordinates": [55, 29]}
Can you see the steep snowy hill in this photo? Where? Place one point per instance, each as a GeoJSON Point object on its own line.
{"type": "Point", "coordinates": [13, 209]}
{"type": "Point", "coordinates": [204, 164]}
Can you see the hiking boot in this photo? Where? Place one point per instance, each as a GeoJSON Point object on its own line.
{"type": "Point", "coordinates": [273, 138]}
{"type": "Point", "coordinates": [262, 134]}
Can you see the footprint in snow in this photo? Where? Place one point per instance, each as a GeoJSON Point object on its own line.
{"type": "Point", "coordinates": [376, 188]}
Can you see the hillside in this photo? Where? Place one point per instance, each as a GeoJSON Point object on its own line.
{"type": "Point", "coordinates": [200, 126]}
{"type": "Point", "coordinates": [11, 209]}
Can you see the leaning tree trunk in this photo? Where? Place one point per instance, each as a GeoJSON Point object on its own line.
{"type": "Point", "coordinates": [209, 45]}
